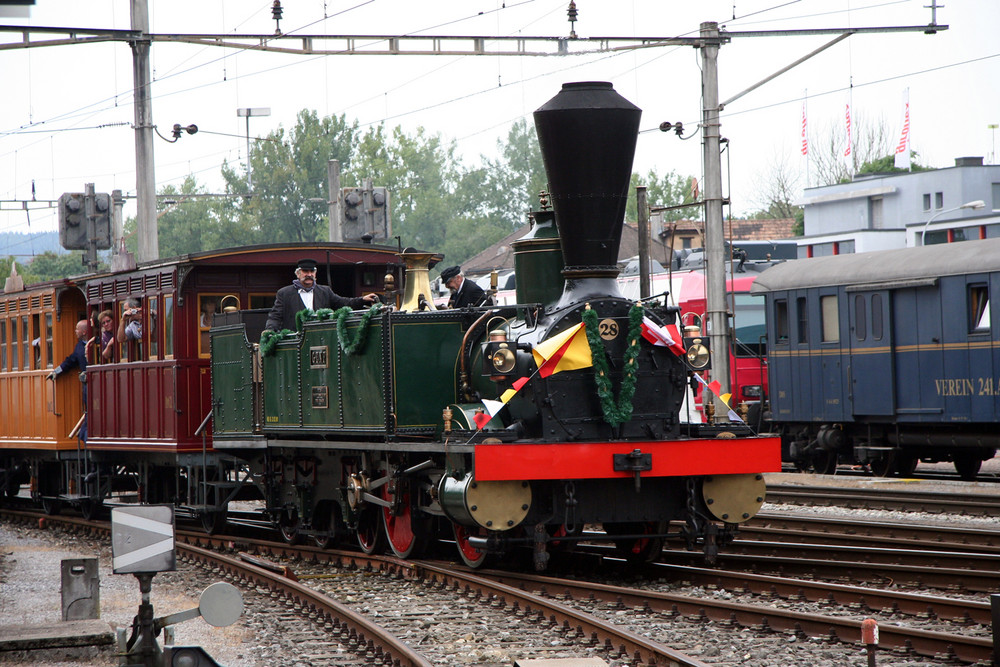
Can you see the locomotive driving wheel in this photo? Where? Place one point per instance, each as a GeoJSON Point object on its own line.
{"type": "Point", "coordinates": [289, 525]}
{"type": "Point", "coordinates": [406, 534]}
{"type": "Point", "coordinates": [471, 555]}
{"type": "Point", "coordinates": [371, 537]}
{"type": "Point", "coordinates": [638, 550]}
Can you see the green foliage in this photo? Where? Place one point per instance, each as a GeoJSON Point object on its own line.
{"type": "Point", "coordinates": [436, 202]}
{"type": "Point", "coordinates": [286, 172]}
{"type": "Point", "coordinates": [54, 266]}
{"type": "Point", "coordinates": [887, 165]}
{"type": "Point", "coordinates": [670, 189]}
{"type": "Point", "coordinates": [5, 264]}
{"type": "Point", "coordinates": [185, 223]}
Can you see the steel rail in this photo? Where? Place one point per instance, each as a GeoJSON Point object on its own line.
{"type": "Point", "coordinates": [642, 650]}
{"type": "Point", "coordinates": [968, 504]}
{"type": "Point", "coordinates": [924, 642]}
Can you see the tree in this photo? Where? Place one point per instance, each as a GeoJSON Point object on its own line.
{"type": "Point", "coordinates": [887, 165]}
{"type": "Point", "coordinates": [670, 189]}
{"type": "Point", "coordinates": [186, 223]}
{"type": "Point", "coordinates": [421, 173]}
{"type": "Point", "coordinates": [54, 266]}
{"type": "Point", "coordinates": [872, 139]}
{"type": "Point", "coordinates": [776, 189]}
{"type": "Point", "coordinates": [287, 172]}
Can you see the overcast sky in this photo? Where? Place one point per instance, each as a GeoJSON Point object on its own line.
{"type": "Point", "coordinates": [66, 110]}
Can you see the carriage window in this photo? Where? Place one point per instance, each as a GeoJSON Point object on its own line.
{"type": "Point", "coordinates": [48, 340]}
{"type": "Point", "coordinates": [262, 300]}
{"type": "Point", "coordinates": [14, 358]}
{"type": "Point", "coordinates": [36, 343]}
{"type": "Point", "coordinates": [781, 321]}
{"type": "Point", "coordinates": [3, 345]}
{"type": "Point", "coordinates": [830, 318]}
{"type": "Point", "coordinates": [803, 323]}
{"type": "Point", "coordinates": [208, 306]}
{"type": "Point", "coordinates": [979, 308]}
{"type": "Point", "coordinates": [860, 325]}
{"type": "Point", "coordinates": [134, 324]}
{"type": "Point", "coordinates": [877, 322]}
{"type": "Point", "coordinates": [168, 326]}
{"type": "Point", "coordinates": [154, 326]}
{"type": "Point", "coordinates": [25, 343]}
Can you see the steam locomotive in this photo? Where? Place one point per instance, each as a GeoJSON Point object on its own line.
{"type": "Point", "coordinates": [497, 427]}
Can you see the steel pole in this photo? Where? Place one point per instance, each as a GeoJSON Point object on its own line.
{"type": "Point", "coordinates": [145, 173]}
{"type": "Point", "coordinates": [716, 321]}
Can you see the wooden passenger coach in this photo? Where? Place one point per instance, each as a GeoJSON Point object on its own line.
{"type": "Point", "coordinates": [37, 331]}
{"type": "Point", "coordinates": [156, 393]}
{"type": "Point", "coordinates": [149, 436]}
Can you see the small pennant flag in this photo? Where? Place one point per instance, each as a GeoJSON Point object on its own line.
{"type": "Point", "coordinates": [715, 387]}
{"type": "Point", "coordinates": [492, 408]}
{"type": "Point", "coordinates": [565, 352]}
{"type": "Point", "coordinates": [666, 336]}
{"type": "Point", "coordinates": [509, 394]}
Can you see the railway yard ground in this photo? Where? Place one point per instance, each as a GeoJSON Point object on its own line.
{"type": "Point", "coordinates": [278, 634]}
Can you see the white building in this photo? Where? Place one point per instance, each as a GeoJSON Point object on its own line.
{"type": "Point", "coordinates": [884, 211]}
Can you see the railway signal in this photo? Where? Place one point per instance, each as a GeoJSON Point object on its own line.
{"type": "Point", "coordinates": [76, 210]}
{"type": "Point", "coordinates": [365, 211]}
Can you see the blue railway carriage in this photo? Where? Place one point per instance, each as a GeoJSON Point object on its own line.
{"type": "Point", "coordinates": [886, 358]}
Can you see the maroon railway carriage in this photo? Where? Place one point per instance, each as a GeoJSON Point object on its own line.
{"type": "Point", "coordinates": [149, 432]}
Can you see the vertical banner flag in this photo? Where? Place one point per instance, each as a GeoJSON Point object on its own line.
{"type": "Point", "coordinates": [902, 158]}
{"type": "Point", "coordinates": [847, 117]}
{"type": "Point", "coordinates": [805, 140]}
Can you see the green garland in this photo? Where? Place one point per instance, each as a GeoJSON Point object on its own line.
{"type": "Point", "coordinates": [269, 340]}
{"type": "Point", "coordinates": [620, 411]}
{"type": "Point", "coordinates": [355, 345]}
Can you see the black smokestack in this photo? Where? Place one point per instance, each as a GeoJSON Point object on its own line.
{"type": "Point", "coordinates": [587, 134]}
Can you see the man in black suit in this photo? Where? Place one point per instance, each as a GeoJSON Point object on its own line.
{"type": "Point", "coordinates": [304, 293]}
{"type": "Point", "coordinates": [463, 292]}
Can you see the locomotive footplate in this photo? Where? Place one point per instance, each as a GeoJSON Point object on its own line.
{"type": "Point", "coordinates": [635, 462]}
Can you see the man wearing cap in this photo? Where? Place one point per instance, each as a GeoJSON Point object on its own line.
{"type": "Point", "coordinates": [304, 293]}
{"type": "Point", "coordinates": [463, 292]}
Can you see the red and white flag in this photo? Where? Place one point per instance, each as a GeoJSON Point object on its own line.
{"type": "Point", "coordinates": [902, 158]}
{"type": "Point", "coordinates": [483, 418]}
{"type": "Point", "coordinates": [666, 336]}
{"type": "Point", "coordinates": [847, 117]}
{"type": "Point", "coordinates": [805, 139]}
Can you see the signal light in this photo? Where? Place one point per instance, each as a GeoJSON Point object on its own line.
{"type": "Point", "coordinates": [352, 204]}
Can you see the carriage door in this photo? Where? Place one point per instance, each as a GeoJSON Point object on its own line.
{"type": "Point", "coordinates": [871, 372]}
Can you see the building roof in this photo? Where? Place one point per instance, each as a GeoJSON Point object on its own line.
{"type": "Point", "coordinates": [500, 255]}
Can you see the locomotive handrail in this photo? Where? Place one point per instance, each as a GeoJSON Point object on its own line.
{"type": "Point", "coordinates": [204, 424]}
{"type": "Point", "coordinates": [464, 383]}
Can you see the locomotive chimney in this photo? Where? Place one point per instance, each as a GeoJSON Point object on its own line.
{"type": "Point", "coordinates": [587, 135]}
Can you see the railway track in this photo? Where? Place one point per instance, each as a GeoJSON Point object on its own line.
{"type": "Point", "coordinates": [565, 606]}
{"type": "Point", "coordinates": [933, 502]}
